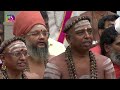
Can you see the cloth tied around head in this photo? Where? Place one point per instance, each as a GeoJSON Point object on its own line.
{"type": "Point", "coordinates": [73, 20]}
{"type": "Point", "coordinates": [25, 20]}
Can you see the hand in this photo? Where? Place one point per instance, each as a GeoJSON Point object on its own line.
{"type": "Point", "coordinates": [30, 75]}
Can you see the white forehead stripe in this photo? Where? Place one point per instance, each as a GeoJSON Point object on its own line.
{"type": "Point", "coordinates": [16, 44]}
{"type": "Point", "coordinates": [82, 25]}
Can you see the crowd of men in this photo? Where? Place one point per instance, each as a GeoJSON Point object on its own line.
{"type": "Point", "coordinates": [92, 50]}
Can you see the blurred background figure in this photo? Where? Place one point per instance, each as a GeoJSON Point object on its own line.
{"type": "Point", "coordinates": [103, 23]}
{"type": "Point", "coordinates": [95, 16]}
{"type": "Point", "coordinates": [110, 47]}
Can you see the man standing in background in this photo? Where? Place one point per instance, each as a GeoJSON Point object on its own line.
{"type": "Point", "coordinates": [95, 16]}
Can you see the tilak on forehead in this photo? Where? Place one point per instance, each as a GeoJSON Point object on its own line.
{"type": "Point", "coordinates": [77, 20]}
{"type": "Point", "coordinates": [16, 44]}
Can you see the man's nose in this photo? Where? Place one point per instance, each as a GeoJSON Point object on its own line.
{"type": "Point", "coordinates": [41, 35]}
{"type": "Point", "coordinates": [87, 35]}
{"type": "Point", "coordinates": [22, 57]}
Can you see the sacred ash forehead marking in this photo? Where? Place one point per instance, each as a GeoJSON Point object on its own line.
{"type": "Point", "coordinates": [84, 24]}
{"type": "Point", "coordinates": [16, 44]}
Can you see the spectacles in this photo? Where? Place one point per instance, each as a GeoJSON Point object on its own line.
{"type": "Point", "coordinates": [44, 33]}
{"type": "Point", "coordinates": [18, 53]}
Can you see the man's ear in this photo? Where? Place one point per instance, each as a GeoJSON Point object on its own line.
{"type": "Point", "coordinates": [107, 48]}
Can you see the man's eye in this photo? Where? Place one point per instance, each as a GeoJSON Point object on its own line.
{"type": "Point", "coordinates": [35, 33]}
{"type": "Point", "coordinates": [90, 32]}
{"type": "Point", "coordinates": [25, 53]}
{"type": "Point", "coordinates": [80, 33]}
{"type": "Point", "coordinates": [44, 33]}
{"type": "Point", "coordinates": [17, 53]}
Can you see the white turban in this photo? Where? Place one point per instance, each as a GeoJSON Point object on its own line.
{"type": "Point", "coordinates": [117, 25]}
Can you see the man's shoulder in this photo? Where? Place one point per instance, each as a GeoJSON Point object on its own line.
{"type": "Point", "coordinates": [100, 57]}
{"type": "Point", "coordinates": [102, 61]}
{"type": "Point", "coordinates": [58, 60]}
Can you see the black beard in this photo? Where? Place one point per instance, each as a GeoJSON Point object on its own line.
{"type": "Point", "coordinates": [39, 54]}
{"type": "Point", "coordinates": [115, 57]}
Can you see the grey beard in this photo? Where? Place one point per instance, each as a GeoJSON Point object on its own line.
{"type": "Point", "coordinates": [115, 57]}
{"type": "Point", "coordinates": [38, 54]}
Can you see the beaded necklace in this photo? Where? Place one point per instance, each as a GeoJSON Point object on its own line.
{"type": "Point", "coordinates": [71, 66]}
{"type": "Point", "coordinates": [5, 75]}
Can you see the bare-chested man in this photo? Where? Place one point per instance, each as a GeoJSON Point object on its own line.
{"type": "Point", "coordinates": [31, 26]}
{"type": "Point", "coordinates": [77, 62]}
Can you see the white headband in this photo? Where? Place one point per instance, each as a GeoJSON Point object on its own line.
{"type": "Point", "coordinates": [117, 25]}
{"type": "Point", "coordinates": [82, 24]}
{"type": "Point", "coordinates": [16, 44]}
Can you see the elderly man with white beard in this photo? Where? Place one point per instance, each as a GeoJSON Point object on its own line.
{"type": "Point", "coordinates": [31, 26]}
{"type": "Point", "coordinates": [110, 47]}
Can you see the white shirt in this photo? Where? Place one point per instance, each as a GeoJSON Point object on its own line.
{"type": "Point", "coordinates": [55, 47]}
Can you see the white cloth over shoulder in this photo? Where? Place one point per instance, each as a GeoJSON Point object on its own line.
{"type": "Point", "coordinates": [55, 47]}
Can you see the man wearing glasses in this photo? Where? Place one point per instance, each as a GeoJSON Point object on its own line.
{"type": "Point", "coordinates": [31, 26]}
{"type": "Point", "coordinates": [13, 53]}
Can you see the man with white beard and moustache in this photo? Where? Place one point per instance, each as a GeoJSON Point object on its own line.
{"type": "Point", "coordinates": [110, 47]}
{"type": "Point", "coordinates": [31, 26]}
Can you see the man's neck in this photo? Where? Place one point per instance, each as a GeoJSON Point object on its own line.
{"type": "Point", "coordinates": [82, 53]}
{"type": "Point", "coordinates": [14, 74]}
{"type": "Point", "coordinates": [36, 67]}
{"type": "Point", "coordinates": [36, 61]}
